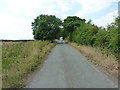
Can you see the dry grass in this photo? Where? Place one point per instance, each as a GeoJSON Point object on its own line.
{"type": "Point", "coordinates": [24, 58]}
{"type": "Point", "coordinates": [108, 63]}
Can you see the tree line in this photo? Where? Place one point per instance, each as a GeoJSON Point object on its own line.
{"type": "Point", "coordinates": [73, 28]}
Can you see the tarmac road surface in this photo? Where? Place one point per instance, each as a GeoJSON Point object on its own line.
{"type": "Point", "coordinates": [67, 68]}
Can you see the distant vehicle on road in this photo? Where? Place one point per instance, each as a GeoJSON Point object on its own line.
{"type": "Point", "coordinates": [61, 40]}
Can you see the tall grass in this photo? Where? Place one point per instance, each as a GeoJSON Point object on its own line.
{"type": "Point", "coordinates": [20, 59]}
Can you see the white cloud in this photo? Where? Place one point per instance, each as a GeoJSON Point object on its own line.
{"type": "Point", "coordinates": [91, 6]}
{"type": "Point", "coordinates": [14, 28]}
{"type": "Point", "coordinates": [107, 19]}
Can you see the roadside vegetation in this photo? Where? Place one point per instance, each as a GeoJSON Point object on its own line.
{"type": "Point", "coordinates": [21, 58]}
{"type": "Point", "coordinates": [86, 33]}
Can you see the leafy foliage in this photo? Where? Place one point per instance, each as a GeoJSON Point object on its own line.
{"type": "Point", "coordinates": [46, 27]}
{"type": "Point", "coordinates": [71, 23]}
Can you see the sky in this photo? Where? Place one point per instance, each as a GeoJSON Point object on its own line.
{"type": "Point", "coordinates": [16, 16]}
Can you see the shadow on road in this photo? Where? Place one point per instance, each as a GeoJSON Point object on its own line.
{"type": "Point", "coordinates": [62, 43]}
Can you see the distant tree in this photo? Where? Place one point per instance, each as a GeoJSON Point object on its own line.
{"type": "Point", "coordinates": [89, 22]}
{"type": "Point", "coordinates": [72, 22]}
{"type": "Point", "coordinates": [46, 27]}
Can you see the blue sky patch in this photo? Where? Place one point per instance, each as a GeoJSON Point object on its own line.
{"type": "Point", "coordinates": [98, 14]}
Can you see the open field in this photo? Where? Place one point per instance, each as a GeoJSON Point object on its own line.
{"type": "Point", "coordinates": [108, 63]}
{"type": "Point", "coordinates": [11, 42]}
{"type": "Point", "coordinates": [21, 58]}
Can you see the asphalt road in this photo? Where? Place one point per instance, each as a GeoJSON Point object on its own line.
{"type": "Point", "coordinates": [67, 68]}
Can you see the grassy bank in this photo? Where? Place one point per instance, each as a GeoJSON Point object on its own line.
{"type": "Point", "coordinates": [21, 58]}
{"type": "Point", "coordinates": [95, 55]}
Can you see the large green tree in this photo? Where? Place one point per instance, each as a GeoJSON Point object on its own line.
{"type": "Point", "coordinates": [71, 23]}
{"type": "Point", "coordinates": [46, 27]}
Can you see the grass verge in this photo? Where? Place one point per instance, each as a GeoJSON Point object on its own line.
{"type": "Point", "coordinates": [107, 62]}
{"type": "Point", "coordinates": [18, 60]}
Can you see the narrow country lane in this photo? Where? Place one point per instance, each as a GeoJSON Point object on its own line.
{"type": "Point", "coordinates": [67, 68]}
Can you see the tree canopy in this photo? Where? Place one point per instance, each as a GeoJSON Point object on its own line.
{"type": "Point", "coordinates": [46, 27]}
{"type": "Point", "coordinates": [72, 22]}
